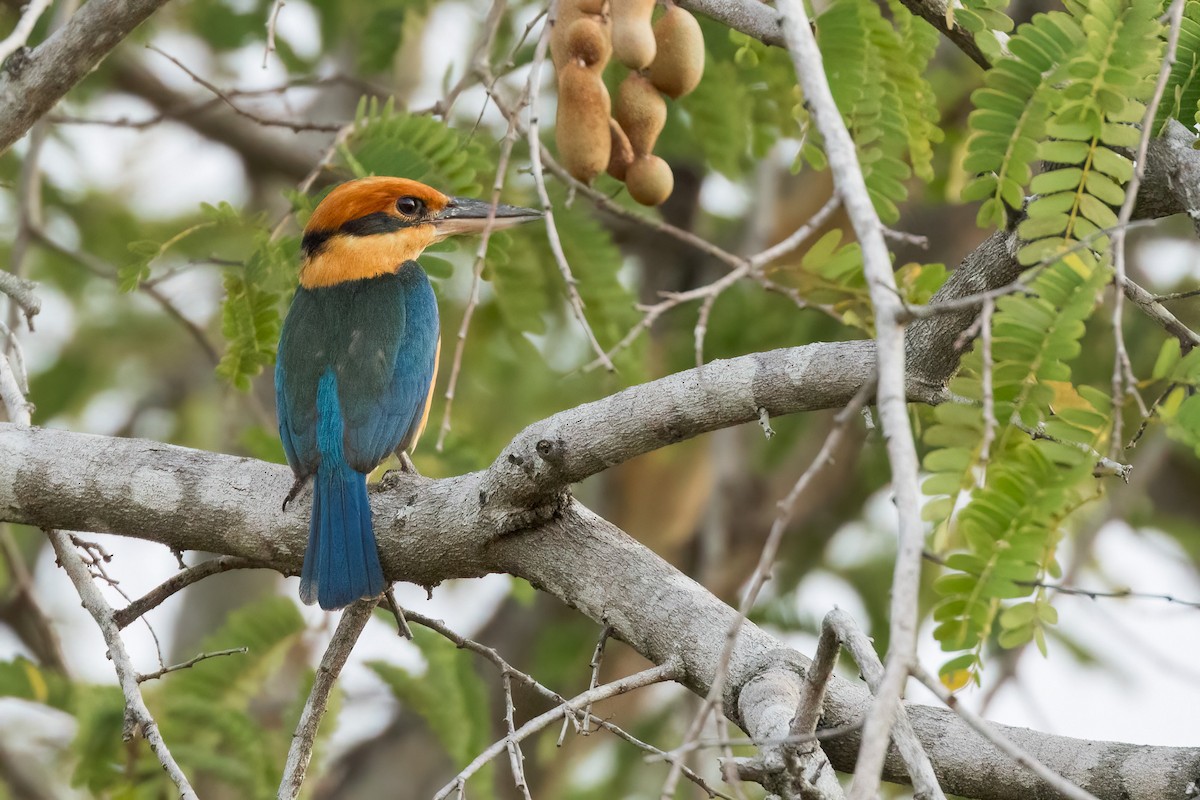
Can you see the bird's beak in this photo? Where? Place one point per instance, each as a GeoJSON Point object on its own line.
{"type": "Point", "coordinates": [466, 215]}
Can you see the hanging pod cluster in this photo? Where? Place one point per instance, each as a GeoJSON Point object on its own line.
{"type": "Point", "coordinates": [664, 58]}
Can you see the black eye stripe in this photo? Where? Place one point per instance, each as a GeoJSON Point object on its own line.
{"type": "Point", "coordinates": [378, 222]}
{"type": "Point", "coordinates": [368, 225]}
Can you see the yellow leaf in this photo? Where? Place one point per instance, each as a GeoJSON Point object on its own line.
{"type": "Point", "coordinates": [1077, 263]}
{"type": "Point", "coordinates": [1066, 396]}
{"type": "Point", "coordinates": [37, 684]}
{"type": "Point", "coordinates": [955, 679]}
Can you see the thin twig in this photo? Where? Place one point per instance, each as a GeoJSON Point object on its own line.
{"type": "Point", "coordinates": [22, 293]}
{"type": "Point", "coordinates": [986, 388]}
{"type": "Point", "coordinates": [272, 21]}
{"type": "Point", "coordinates": [728, 766]}
{"type": "Point", "coordinates": [191, 662]}
{"type": "Point", "coordinates": [668, 671]}
{"type": "Point", "coordinates": [489, 653]}
{"type": "Point", "coordinates": [48, 647]}
{"type": "Point", "coordinates": [766, 561]}
{"type": "Point", "coordinates": [821, 735]}
{"type": "Point", "coordinates": [597, 660]}
{"type": "Point", "coordinates": [349, 628]}
{"type": "Point", "coordinates": [1166, 298]}
{"type": "Point", "coordinates": [916, 761]}
{"type": "Point", "coordinates": [99, 268]}
{"type": "Point", "coordinates": [539, 179]}
{"type": "Point", "coordinates": [1123, 380]}
{"type": "Point", "coordinates": [655, 754]}
{"type": "Point", "coordinates": [460, 344]}
{"type": "Point", "coordinates": [1153, 308]}
{"type": "Point", "coordinates": [1001, 742]}
{"type": "Point", "coordinates": [16, 355]}
{"type": "Point", "coordinates": [797, 237]}
{"type": "Point", "coordinates": [401, 618]}
{"type": "Point", "coordinates": [1104, 466]}
{"type": "Point", "coordinates": [19, 409]}
{"type": "Point", "coordinates": [24, 27]}
{"type": "Point", "coordinates": [891, 399]}
{"type": "Point", "coordinates": [1117, 594]}
{"type": "Point", "coordinates": [807, 763]}
{"type": "Point", "coordinates": [750, 266]}
{"type": "Point", "coordinates": [138, 720]}
{"type": "Point", "coordinates": [178, 582]}
{"type": "Point", "coordinates": [294, 127]}
{"type": "Point", "coordinates": [516, 759]}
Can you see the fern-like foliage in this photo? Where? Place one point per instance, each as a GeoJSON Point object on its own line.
{"type": "Point", "coordinates": [1181, 100]}
{"type": "Point", "coordinates": [207, 711]}
{"type": "Point", "coordinates": [1106, 83]}
{"type": "Point", "coordinates": [914, 44]}
{"type": "Point", "coordinates": [1180, 406]}
{"type": "Point", "coordinates": [876, 74]}
{"type": "Point", "coordinates": [1001, 517]}
{"type": "Point", "coordinates": [386, 141]}
{"type": "Point", "coordinates": [450, 696]}
{"type": "Point", "coordinates": [23, 679]}
{"type": "Point", "coordinates": [250, 313]}
{"type": "Point", "coordinates": [228, 720]}
{"type": "Point", "coordinates": [985, 20]}
{"type": "Point", "coordinates": [1011, 111]}
{"type": "Point", "coordinates": [741, 108]}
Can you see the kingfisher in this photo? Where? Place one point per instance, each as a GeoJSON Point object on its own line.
{"type": "Point", "coordinates": [357, 360]}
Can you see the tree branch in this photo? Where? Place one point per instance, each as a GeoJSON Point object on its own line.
{"type": "Point", "coordinates": [891, 396]}
{"type": "Point", "coordinates": [517, 517]}
{"type": "Point", "coordinates": [32, 82]}
{"type": "Point", "coordinates": [349, 628]}
{"type": "Point", "coordinates": [434, 530]}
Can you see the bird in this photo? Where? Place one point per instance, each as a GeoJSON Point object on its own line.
{"type": "Point", "coordinates": [357, 361]}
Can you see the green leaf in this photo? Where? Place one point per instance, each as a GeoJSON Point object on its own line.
{"type": "Point", "coordinates": [449, 695]}
{"type": "Point", "coordinates": [1168, 356]}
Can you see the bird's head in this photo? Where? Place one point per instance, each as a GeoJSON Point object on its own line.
{"type": "Point", "coordinates": [371, 226]}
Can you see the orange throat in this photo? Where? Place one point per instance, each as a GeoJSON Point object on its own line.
{"type": "Point", "coordinates": [353, 258]}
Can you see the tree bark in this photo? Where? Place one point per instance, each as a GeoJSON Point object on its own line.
{"type": "Point", "coordinates": [32, 81]}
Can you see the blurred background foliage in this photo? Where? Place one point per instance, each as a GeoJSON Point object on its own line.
{"type": "Point", "coordinates": [162, 227]}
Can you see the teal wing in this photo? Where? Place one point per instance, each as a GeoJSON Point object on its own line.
{"type": "Point", "coordinates": [380, 338]}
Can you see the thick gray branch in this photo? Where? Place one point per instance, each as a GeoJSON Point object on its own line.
{"type": "Point", "coordinates": [435, 530]}
{"type": "Point", "coordinates": [33, 81]}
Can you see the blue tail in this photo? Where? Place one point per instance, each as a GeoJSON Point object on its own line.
{"type": "Point", "coordinates": [341, 563]}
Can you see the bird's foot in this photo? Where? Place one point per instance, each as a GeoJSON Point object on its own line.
{"type": "Point", "coordinates": [407, 465]}
{"type": "Point", "coordinates": [297, 487]}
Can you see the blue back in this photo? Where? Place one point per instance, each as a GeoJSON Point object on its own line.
{"type": "Point", "coordinates": [379, 339]}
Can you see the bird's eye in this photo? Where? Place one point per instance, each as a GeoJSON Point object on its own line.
{"type": "Point", "coordinates": [410, 206]}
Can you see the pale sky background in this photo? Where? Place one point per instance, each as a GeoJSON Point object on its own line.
{"type": "Point", "coordinates": [1146, 691]}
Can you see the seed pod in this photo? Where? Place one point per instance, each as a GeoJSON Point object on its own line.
{"type": "Point", "coordinates": [641, 112]}
{"type": "Point", "coordinates": [584, 141]}
{"type": "Point", "coordinates": [649, 180]}
{"type": "Point", "coordinates": [570, 11]}
{"type": "Point", "coordinates": [632, 36]}
{"type": "Point", "coordinates": [622, 151]}
{"type": "Point", "coordinates": [679, 62]}
{"type": "Point", "coordinates": [587, 42]}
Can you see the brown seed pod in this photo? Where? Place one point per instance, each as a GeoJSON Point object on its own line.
{"type": "Point", "coordinates": [584, 141]}
{"type": "Point", "coordinates": [570, 11]}
{"type": "Point", "coordinates": [679, 62]}
{"type": "Point", "coordinates": [633, 36]}
{"type": "Point", "coordinates": [649, 180]}
{"type": "Point", "coordinates": [641, 112]}
{"type": "Point", "coordinates": [587, 41]}
{"type": "Point", "coordinates": [622, 151]}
